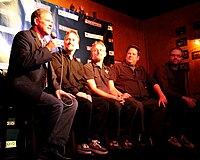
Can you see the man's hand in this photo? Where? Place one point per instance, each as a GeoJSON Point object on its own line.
{"type": "Point", "coordinates": [120, 99]}
{"type": "Point", "coordinates": [84, 95]}
{"type": "Point", "coordinates": [61, 93]}
{"type": "Point", "coordinates": [191, 102]}
{"type": "Point", "coordinates": [162, 100]}
{"type": "Point", "coordinates": [125, 95]}
{"type": "Point", "coordinates": [53, 43]}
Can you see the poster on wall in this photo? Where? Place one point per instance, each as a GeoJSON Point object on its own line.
{"type": "Point", "coordinates": [15, 16]}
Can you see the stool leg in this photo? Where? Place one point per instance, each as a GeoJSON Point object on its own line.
{"type": "Point", "coordinates": [3, 130]}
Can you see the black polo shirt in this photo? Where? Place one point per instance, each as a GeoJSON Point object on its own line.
{"type": "Point", "coordinates": [133, 81]}
{"type": "Point", "coordinates": [100, 75]}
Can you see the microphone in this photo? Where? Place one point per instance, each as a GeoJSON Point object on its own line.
{"type": "Point", "coordinates": [53, 36]}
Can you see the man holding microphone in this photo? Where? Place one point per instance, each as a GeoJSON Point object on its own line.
{"type": "Point", "coordinates": [27, 75]}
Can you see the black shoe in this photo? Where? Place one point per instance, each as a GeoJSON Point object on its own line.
{"type": "Point", "coordinates": [51, 153]}
{"type": "Point", "coordinates": [127, 144]}
{"type": "Point", "coordinates": [145, 140]}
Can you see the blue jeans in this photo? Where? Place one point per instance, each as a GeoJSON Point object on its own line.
{"type": "Point", "coordinates": [60, 118]}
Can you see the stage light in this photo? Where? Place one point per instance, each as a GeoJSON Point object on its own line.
{"type": "Point", "coordinates": [197, 41]}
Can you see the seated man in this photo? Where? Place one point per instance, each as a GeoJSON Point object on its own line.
{"type": "Point", "coordinates": [70, 77]}
{"type": "Point", "coordinates": [27, 75]}
{"type": "Point", "coordinates": [171, 77]}
{"type": "Point", "coordinates": [97, 77]}
{"type": "Point", "coordinates": [128, 77]}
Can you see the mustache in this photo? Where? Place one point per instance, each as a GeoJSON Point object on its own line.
{"type": "Point", "coordinates": [70, 44]}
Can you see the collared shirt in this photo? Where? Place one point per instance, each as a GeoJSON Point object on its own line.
{"type": "Point", "coordinates": [43, 42]}
{"type": "Point", "coordinates": [73, 74]}
{"type": "Point", "coordinates": [100, 75]}
{"type": "Point", "coordinates": [172, 81]}
{"type": "Point", "coordinates": [135, 82]}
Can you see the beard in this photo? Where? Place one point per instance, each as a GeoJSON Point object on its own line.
{"type": "Point", "coordinates": [174, 63]}
{"type": "Point", "coordinates": [96, 59]}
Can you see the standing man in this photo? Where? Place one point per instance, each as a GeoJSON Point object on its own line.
{"type": "Point", "coordinates": [70, 77]}
{"type": "Point", "coordinates": [129, 77]}
{"type": "Point", "coordinates": [97, 78]}
{"type": "Point", "coordinates": [27, 79]}
{"type": "Point", "coordinates": [171, 77]}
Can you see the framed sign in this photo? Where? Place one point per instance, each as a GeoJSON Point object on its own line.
{"type": "Point", "coordinates": [181, 42]}
{"type": "Point", "coordinates": [180, 30]}
{"type": "Point", "coordinates": [185, 54]}
{"type": "Point", "coordinates": [196, 55]}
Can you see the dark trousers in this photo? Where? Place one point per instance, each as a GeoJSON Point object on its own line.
{"type": "Point", "coordinates": [128, 117]}
{"type": "Point", "coordinates": [99, 118]}
{"type": "Point", "coordinates": [113, 119]}
{"type": "Point", "coordinates": [82, 121]}
{"type": "Point", "coordinates": [155, 116]}
{"type": "Point", "coordinates": [182, 118]}
{"type": "Point", "coordinates": [151, 119]}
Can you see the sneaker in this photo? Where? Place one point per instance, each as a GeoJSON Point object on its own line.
{"type": "Point", "coordinates": [185, 142]}
{"type": "Point", "coordinates": [97, 148]}
{"type": "Point", "coordinates": [83, 149]}
{"type": "Point", "coordinates": [174, 142]}
{"type": "Point", "coordinates": [114, 145]}
{"type": "Point", "coordinates": [127, 144]}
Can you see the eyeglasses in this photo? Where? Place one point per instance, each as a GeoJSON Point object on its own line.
{"type": "Point", "coordinates": [176, 55]}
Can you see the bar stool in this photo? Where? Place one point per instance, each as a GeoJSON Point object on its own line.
{"type": "Point", "coordinates": [17, 134]}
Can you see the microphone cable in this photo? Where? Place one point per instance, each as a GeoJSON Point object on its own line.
{"type": "Point", "coordinates": [63, 99]}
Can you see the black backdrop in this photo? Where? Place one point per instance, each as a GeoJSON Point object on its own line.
{"type": "Point", "coordinates": [15, 16]}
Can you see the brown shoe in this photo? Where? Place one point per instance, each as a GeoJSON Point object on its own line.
{"type": "Point", "coordinates": [114, 145]}
{"type": "Point", "coordinates": [127, 144]}
{"type": "Point", "coordinates": [97, 148]}
{"type": "Point", "coordinates": [83, 149]}
{"type": "Point", "coordinates": [185, 142]}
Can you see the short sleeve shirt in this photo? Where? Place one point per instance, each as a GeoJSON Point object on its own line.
{"type": "Point", "coordinates": [100, 75]}
{"type": "Point", "coordinates": [135, 82]}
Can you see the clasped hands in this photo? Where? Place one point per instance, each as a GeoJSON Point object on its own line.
{"type": "Point", "coordinates": [121, 97]}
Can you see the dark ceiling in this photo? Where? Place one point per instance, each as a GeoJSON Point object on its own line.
{"type": "Point", "coordinates": [145, 9]}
